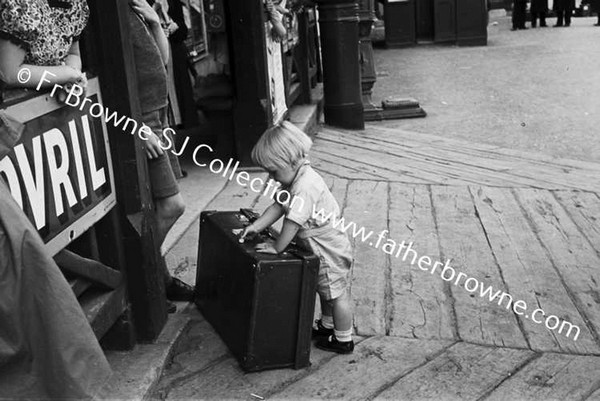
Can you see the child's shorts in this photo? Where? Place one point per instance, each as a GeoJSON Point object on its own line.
{"type": "Point", "coordinates": [162, 179]}
{"type": "Point", "coordinates": [334, 251]}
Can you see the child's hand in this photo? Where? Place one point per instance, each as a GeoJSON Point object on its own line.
{"type": "Point", "coordinates": [249, 231]}
{"type": "Point", "coordinates": [266, 248]}
{"type": "Point", "coordinates": [153, 149]}
{"type": "Point", "coordinates": [145, 11]}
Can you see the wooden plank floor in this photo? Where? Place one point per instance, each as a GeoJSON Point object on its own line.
{"type": "Point", "coordinates": [526, 225]}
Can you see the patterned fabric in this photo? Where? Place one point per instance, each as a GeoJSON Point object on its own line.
{"type": "Point", "coordinates": [46, 33]}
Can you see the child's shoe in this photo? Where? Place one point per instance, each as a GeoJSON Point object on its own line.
{"type": "Point", "coordinates": [321, 331]}
{"type": "Point", "coordinates": [333, 345]}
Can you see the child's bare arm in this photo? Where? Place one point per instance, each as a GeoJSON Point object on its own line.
{"type": "Point", "coordinates": [152, 19]}
{"type": "Point", "coordinates": [270, 216]}
{"type": "Point", "coordinates": [288, 232]}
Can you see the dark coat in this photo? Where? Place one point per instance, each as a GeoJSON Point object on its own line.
{"type": "Point", "coordinates": [595, 5]}
{"type": "Point", "coordinates": [561, 5]}
{"type": "Point", "coordinates": [539, 6]}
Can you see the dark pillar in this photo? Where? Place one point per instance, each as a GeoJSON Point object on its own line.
{"type": "Point", "coordinates": [366, 14]}
{"type": "Point", "coordinates": [338, 21]}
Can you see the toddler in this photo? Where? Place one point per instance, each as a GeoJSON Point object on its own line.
{"type": "Point", "coordinates": [282, 151]}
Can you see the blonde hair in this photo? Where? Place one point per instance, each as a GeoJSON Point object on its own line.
{"type": "Point", "coordinates": [280, 146]}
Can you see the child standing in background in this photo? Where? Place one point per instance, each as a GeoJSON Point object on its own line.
{"type": "Point", "coordinates": [151, 54]}
{"type": "Point", "coordinates": [282, 151]}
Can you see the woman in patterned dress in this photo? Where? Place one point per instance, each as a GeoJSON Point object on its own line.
{"type": "Point", "coordinates": [41, 35]}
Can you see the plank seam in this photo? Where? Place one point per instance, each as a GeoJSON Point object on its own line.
{"type": "Point", "coordinates": [589, 241]}
{"type": "Point", "coordinates": [388, 312]}
{"type": "Point", "coordinates": [497, 263]}
{"type": "Point", "coordinates": [348, 167]}
{"type": "Point", "coordinates": [592, 390]}
{"type": "Point", "coordinates": [447, 288]}
{"type": "Point", "coordinates": [570, 294]}
{"type": "Point", "coordinates": [392, 382]}
{"type": "Point", "coordinates": [408, 173]}
{"type": "Point", "coordinates": [519, 155]}
{"type": "Point", "coordinates": [308, 371]}
{"type": "Point", "coordinates": [456, 175]}
{"type": "Point", "coordinates": [510, 375]}
{"type": "Point", "coordinates": [476, 168]}
{"type": "Point", "coordinates": [163, 393]}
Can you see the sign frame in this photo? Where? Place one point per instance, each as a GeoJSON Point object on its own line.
{"type": "Point", "coordinates": [41, 105]}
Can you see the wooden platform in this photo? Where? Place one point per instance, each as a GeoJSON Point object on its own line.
{"type": "Point", "coordinates": [521, 223]}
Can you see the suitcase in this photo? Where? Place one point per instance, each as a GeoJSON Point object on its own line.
{"type": "Point", "coordinates": [261, 305]}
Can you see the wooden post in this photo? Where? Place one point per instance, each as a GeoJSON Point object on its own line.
{"type": "Point", "coordinates": [119, 88]}
{"type": "Point", "coordinates": [251, 110]}
{"type": "Point", "coordinates": [303, 57]}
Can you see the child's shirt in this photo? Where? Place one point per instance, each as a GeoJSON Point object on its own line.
{"type": "Point", "coordinates": [150, 70]}
{"type": "Point", "coordinates": [310, 203]}
{"type": "Point", "coordinates": [314, 208]}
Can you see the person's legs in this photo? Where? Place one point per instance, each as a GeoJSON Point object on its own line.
{"type": "Point", "coordinates": [533, 19]}
{"type": "Point", "coordinates": [168, 210]}
{"type": "Point", "coordinates": [341, 340]}
{"type": "Point", "coordinates": [168, 204]}
{"type": "Point", "coordinates": [543, 19]}
{"type": "Point", "coordinates": [568, 13]}
{"type": "Point", "coordinates": [342, 312]}
{"type": "Point", "coordinates": [522, 14]}
{"type": "Point", "coordinates": [559, 18]}
{"type": "Point", "coordinates": [324, 326]}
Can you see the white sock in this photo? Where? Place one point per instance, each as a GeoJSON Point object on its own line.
{"type": "Point", "coordinates": [343, 336]}
{"type": "Point", "coordinates": [327, 321]}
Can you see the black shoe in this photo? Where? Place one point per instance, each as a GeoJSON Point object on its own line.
{"type": "Point", "coordinates": [171, 307]}
{"type": "Point", "coordinates": [177, 290]}
{"type": "Point", "coordinates": [557, 25]}
{"type": "Point", "coordinates": [321, 331]}
{"type": "Point", "coordinates": [333, 345]}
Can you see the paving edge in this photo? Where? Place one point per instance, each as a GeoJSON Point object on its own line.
{"type": "Point", "coordinates": [136, 372]}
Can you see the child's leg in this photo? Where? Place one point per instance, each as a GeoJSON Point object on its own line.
{"type": "Point", "coordinates": [341, 340]}
{"type": "Point", "coordinates": [326, 313]}
{"type": "Point", "coordinates": [342, 317]}
{"type": "Point", "coordinates": [168, 210]}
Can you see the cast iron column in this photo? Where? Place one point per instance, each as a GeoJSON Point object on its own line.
{"type": "Point", "coordinates": [338, 22]}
